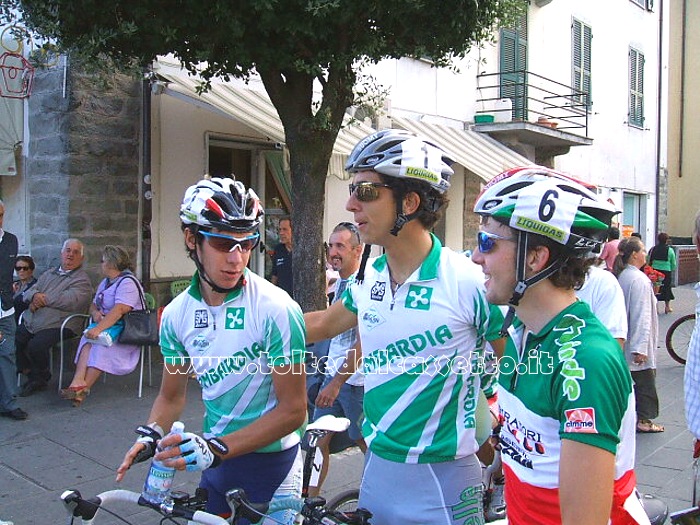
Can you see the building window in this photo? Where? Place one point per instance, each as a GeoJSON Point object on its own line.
{"type": "Point", "coordinates": [645, 4]}
{"type": "Point", "coordinates": [636, 83]}
{"type": "Point", "coordinates": [513, 66]}
{"type": "Point", "coordinates": [581, 37]}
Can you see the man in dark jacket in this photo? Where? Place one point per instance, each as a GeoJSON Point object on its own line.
{"type": "Point", "coordinates": [58, 293]}
{"type": "Point", "coordinates": [8, 370]}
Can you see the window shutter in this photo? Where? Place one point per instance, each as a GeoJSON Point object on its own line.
{"type": "Point", "coordinates": [636, 82]}
{"type": "Point", "coordinates": [581, 37]}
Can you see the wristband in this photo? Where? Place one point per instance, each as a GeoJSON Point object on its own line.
{"type": "Point", "coordinates": [219, 448]}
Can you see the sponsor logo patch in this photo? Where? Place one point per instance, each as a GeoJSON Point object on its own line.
{"type": "Point", "coordinates": [418, 297]}
{"type": "Point", "coordinates": [372, 318]}
{"type": "Point", "coordinates": [235, 318]}
{"type": "Point", "coordinates": [378, 290]}
{"type": "Point", "coordinates": [580, 421]}
{"type": "Point", "coordinates": [201, 318]}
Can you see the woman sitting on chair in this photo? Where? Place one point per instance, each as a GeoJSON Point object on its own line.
{"type": "Point", "coordinates": [117, 294]}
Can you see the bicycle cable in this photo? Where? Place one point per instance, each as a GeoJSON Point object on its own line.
{"type": "Point", "coordinates": [114, 514]}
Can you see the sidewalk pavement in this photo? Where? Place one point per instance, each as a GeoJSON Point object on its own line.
{"type": "Point", "coordinates": [61, 447]}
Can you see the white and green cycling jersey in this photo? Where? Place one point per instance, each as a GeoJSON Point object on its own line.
{"type": "Point", "coordinates": [421, 350]}
{"type": "Point", "coordinates": [232, 348]}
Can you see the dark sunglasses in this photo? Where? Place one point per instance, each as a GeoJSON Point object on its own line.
{"type": "Point", "coordinates": [226, 244]}
{"type": "Point", "coordinates": [486, 241]}
{"type": "Point", "coordinates": [22, 268]}
{"type": "Point", "coordinates": [366, 191]}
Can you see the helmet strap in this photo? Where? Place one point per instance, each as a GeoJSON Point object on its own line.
{"type": "Point", "coordinates": [363, 264]}
{"type": "Point", "coordinates": [401, 217]}
{"type": "Point", "coordinates": [523, 284]}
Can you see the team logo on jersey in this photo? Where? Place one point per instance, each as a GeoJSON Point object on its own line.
{"type": "Point", "coordinates": [201, 318]}
{"type": "Point", "coordinates": [372, 318]}
{"type": "Point", "coordinates": [378, 290]}
{"type": "Point", "coordinates": [580, 421]}
{"type": "Point", "coordinates": [234, 318]}
{"type": "Point", "coordinates": [418, 297]}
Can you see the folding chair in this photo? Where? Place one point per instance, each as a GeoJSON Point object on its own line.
{"type": "Point", "coordinates": [62, 342]}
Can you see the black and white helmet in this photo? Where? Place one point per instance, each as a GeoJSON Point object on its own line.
{"type": "Point", "coordinates": [397, 153]}
{"type": "Point", "coordinates": [221, 203]}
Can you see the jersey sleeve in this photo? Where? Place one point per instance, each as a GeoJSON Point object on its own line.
{"type": "Point", "coordinates": [284, 335]}
{"type": "Point", "coordinates": [348, 297]}
{"type": "Point", "coordinates": [579, 378]}
{"type": "Point", "coordinates": [173, 350]}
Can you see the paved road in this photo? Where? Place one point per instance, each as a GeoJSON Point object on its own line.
{"type": "Point", "coordinates": [62, 447]}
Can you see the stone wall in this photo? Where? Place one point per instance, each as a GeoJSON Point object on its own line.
{"type": "Point", "coordinates": [82, 171]}
{"type": "Point", "coordinates": [472, 188]}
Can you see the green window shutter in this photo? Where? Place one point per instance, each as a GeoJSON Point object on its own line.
{"type": "Point", "coordinates": [636, 82]}
{"type": "Point", "coordinates": [513, 64]}
{"type": "Point", "coordinates": [581, 38]}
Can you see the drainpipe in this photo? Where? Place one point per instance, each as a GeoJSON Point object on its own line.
{"type": "Point", "coordinates": [659, 113]}
{"type": "Point", "coordinates": [146, 194]}
{"type": "Point", "coordinates": [681, 122]}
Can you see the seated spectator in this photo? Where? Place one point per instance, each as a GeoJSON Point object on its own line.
{"type": "Point", "coordinates": [24, 268]}
{"type": "Point", "coordinates": [58, 293]}
{"type": "Point", "coordinates": [117, 294]}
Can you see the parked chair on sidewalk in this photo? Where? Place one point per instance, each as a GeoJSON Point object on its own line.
{"type": "Point", "coordinates": [179, 286]}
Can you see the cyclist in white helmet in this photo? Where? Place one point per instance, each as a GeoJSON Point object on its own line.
{"type": "Point", "coordinates": [244, 339]}
{"type": "Point", "coordinates": [421, 315]}
{"type": "Point", "coordinates": [565, 395]}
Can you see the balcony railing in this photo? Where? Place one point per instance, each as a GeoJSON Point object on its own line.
{"type": "Point", "coordinates": [533, 98]}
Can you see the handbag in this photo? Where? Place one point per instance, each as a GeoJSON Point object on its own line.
{"type": "Point", "coordinates": [140, 326]}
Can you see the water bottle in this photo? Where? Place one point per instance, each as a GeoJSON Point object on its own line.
{"type": "Point", "coordinates": [157, 487]}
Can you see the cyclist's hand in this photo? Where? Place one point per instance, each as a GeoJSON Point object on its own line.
{"type": "Point", "coordinates": [143, 449]}
{"type": "Point", "coordinates": [328, 395]}
{"type": "Point", "coordinates": [190, 451]}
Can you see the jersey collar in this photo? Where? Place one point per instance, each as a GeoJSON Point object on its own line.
{"type": "Point", "coordinates": [428, 268]}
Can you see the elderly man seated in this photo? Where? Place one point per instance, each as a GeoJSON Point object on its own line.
{"type": "Point", "coordinates": [58, 293]}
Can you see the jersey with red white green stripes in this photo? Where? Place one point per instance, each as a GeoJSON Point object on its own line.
{"type": "Point", "coordinates": [233, 348]}
{"type": "Point", "coordinates": [421, 348]}
{"type": "Point", "coordinates": [569, 381]}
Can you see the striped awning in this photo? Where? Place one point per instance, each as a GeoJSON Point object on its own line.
{"type": "Point", "coordinates": [248, 106]}
{"type": "Point", "coordinates": [479, 153]}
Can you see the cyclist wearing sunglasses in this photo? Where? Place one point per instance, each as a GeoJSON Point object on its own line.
{"type": "Point", "coordinates": [421, 315]}
{"type": "Point", "coordinates": [244, 339]}
{"type": "Point", "coordinates": [566, 401]}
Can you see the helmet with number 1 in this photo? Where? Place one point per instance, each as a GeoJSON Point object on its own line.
{"type": "Point", "coordinates": [401, 154]}
{"type": "Point", "coordinates": [542, 201]}
{"type": "Point", "coordinates": [221, 203]}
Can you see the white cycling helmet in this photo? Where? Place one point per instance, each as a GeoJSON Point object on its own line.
{"type": "Point", "coordinates": [221, 203]}
{"type": "Point", "coordinates": [539, 200]}
{"type": "Point", "coordinates": [401, 154]}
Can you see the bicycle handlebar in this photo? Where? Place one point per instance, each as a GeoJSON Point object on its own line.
{"type": "Point", "coordinates": [86, 509]}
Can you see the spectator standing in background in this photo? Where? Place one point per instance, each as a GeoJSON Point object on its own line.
{"type": "Point", "coordinates": [609, 251]}
{"type": "Point", "coordinates": [663, 258]}
{"type": "Point", "coordinates": [642, 332]}
{"type": "Point", "coordinates": [8, 325]}
{"type": "Point", "coordinates": [282, 258]}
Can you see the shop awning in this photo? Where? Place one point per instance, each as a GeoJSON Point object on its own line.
{"type": "Point", "coordinates": [479, 153]}
{"type": "Point", "coordinates": [251, 107]}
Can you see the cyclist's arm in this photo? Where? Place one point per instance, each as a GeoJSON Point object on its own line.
{"type": "Point", "coordinates": [327, 396]}
{"type": "Point", "coordinates": [166, 409]}
{"type": "Point", "coordinates": [586, 475]}
{"type": "Point", "coordinates": [289, 382]}
{"type": "Point", "coordinates": [324, 324]}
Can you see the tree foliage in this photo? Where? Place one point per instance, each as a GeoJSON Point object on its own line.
{"type": "Point", "coordinates": [291, 44]}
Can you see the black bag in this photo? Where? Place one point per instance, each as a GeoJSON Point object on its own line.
{"type": "Point", "coordinates": [140, 326]}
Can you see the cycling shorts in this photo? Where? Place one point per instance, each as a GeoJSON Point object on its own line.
{"type": "Point", "coordinates": [448, 493]}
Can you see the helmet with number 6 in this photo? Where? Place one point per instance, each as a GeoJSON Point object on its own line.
{"type": "Point", "coordinates": [221, 203]}
{"type": "Point", "coordinates": [542, 201]}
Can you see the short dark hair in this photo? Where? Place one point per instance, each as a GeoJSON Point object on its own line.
{"type": "Point", "coordinates": [613, 233]}
{"type": "Point", "coordinates": [432, 202]}
{"type": "Point", "coordinates": [662, 238]}
{"type": "Point", "coordinates": [28, 259]}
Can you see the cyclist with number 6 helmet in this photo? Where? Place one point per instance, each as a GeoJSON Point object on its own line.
{"type": "Point", "coordinates": [565, 398]}
{"type": "Point", "coordinates": [244, 339]}
{"type": "Point", "coordinates": [421, 317]}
